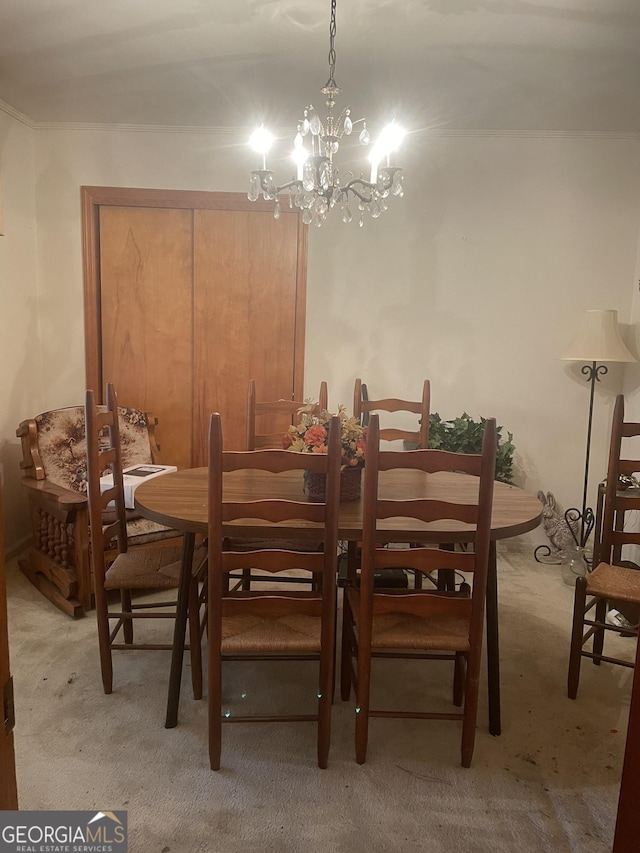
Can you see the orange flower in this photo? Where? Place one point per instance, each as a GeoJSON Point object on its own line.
{"type": "Point", "coordinates": [315, 436]}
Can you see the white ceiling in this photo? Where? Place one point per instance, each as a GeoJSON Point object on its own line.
{"type": "Point", "coordinates": [563, 65]}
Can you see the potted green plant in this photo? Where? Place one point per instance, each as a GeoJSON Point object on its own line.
{"type": "Point", "coordinates": [464, 435]}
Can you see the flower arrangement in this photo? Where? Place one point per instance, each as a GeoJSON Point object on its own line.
{"type": "Point", "coordinates": [311, 435]}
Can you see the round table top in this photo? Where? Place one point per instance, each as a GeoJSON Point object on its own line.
{"type": "Point", "coordinates": [179, 500]}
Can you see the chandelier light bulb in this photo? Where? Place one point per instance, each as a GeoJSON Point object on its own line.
{"type": "Point", "coordinates": [317, 186]}
{"type": "Point", "coordinates": [261, 140]}
{"type": "Point", "coordinates": [299, 156]}
{"type": "Point", "coordinates": [391, 138]}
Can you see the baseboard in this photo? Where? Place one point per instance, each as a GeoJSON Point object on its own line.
{"type": "Point", "coordinates": [17, 548]}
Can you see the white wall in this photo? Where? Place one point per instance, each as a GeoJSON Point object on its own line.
{"type": "Point", "coordinates": [477, 279]}
{"type": "Point", "coordinates": [22, 376]}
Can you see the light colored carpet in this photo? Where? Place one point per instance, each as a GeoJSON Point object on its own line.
{"type": "Point", "coordinates": [549, 783]}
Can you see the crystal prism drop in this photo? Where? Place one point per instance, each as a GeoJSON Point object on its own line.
{"type": "Point", "coordinates": [305, 126]}
{"type": "Point", "coordinates": [314, 124]}
{"type": "Point", "coordinates": [346, 214]}
{"type": "Point", "coordinates": [361, 222]}
{"type": "Point", "coordinates": [376, 210]}
{"type": "Point", "coordinates": [276, 211]}
{"type": "Point", "coordinates": [365, 136]}
{"type": "Point", "coordinates": [306, 217]}
{"type": "Point", "coordinates": [324, 176]}
{"type": "Point", "coordinates": [254, 188]}
{"type": "Point", "coordinates": [348, 125]}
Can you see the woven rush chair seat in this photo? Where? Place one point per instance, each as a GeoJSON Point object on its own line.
{"type": "Point", "coordinates": [146, 568]}
{"type": "Point", "coordinates": [406, 631]}
{"type": "Point", "coordinates": [615, 582]}
{"type": "Point", "coordinates": [263, 635]}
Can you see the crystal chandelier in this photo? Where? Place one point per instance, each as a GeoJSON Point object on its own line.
{"type": "Point", "coordinates": [318, 185]}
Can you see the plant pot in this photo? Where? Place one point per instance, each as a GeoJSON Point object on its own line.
{"type": "Point", "coordinates": [350, 485]}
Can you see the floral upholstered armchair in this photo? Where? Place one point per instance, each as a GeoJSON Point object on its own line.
{"type": "Point", "coordinates": [55, 476]}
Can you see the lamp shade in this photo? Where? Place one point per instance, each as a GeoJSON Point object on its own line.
{"type": "Point", "coordinates": [599, 340]}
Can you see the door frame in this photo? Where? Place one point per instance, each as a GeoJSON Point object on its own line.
{"type": "Point", "coordinates": [8, 786]}
{"type": "Point", "coordinates": [93, 198]}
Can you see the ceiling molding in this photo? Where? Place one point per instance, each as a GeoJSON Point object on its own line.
{"type": "Point", "coordinates": [435, 133]}
{"type": "Point", "coordinates": [244, 131]}
{"type": "Point", "coordinates": [16, 114]}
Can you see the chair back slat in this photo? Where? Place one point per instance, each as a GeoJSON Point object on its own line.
{"type": "Point", "coordinates": [273, 511]}
{"type": "Point", "coordinates": [434, 461]}
{"type": "Point", "coordinates": [427, 511]}
{"type": "Point", "coordinates": [275, 461]}
{"type": "Point", "coordinates": [425, 560]}
{"type": "Point", "coordinates": [273, 561]}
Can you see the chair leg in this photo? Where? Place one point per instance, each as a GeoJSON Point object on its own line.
{"type": "Point", "coordinates": [127, 627]}
{"type": "Point", "coordinates": [215, 712]}
{"type": "Point", "coordinates": [326, 678]}
{"type": "Point", "coordinates": [575, 652]}
{"type": "Point", "coordinates": [104, 644]}
{"type": "Point", "coordinates": [194, 639]}
{"type": "Point", "coordinates": [459, 672]}
{"type": "Point", "coordinates": [598, 637]}
{"type": "Point", "coordinates": [362, 698]}
{"type": "Point", "coordinates": [346, 651]}
{"type": "Point", "coordinates": [470, 719]}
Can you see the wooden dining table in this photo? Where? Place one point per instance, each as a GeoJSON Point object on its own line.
{"type": "Point", "coordinates": [179, 500]}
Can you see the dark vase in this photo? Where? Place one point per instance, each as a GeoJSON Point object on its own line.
{"type": "Point", "coordinates": [350, 485]}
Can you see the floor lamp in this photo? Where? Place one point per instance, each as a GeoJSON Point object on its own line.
{"type": "Point", "coordinates": [599, 341]}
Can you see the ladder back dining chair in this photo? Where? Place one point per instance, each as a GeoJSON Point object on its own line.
{"type": "Point", "coordinates": [363, 407]}
{"type": "Point", "coordinates": [283, 412]}
{"type": "Point", "coordinates": [615, 582]}
{"type": "Point", "coordinates": [272, 624]}
{"type": "Point", "coordinates": [132, 572]}
{"type": "Point", "coordinates": [416, 623]}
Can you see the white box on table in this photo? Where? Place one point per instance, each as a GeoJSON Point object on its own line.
{"type": "Point", "coordinates": [132, 477]}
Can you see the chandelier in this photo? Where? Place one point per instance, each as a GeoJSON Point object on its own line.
{"type": "Point", "coordinates": [318, 185]}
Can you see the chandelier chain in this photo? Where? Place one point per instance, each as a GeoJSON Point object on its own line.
{"type": "Point", "coordinates": [332, 51]}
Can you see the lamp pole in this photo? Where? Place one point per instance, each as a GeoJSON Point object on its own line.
{"type": "Point", "coordinates": [593, 372]}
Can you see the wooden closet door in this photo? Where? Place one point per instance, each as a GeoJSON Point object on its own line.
{"type": "Point", "coordinates": [247, 299]}
{"type": "Point", "coordinates": [188, 296]}
{"type": "Point", "coordinates": [146, 311]}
